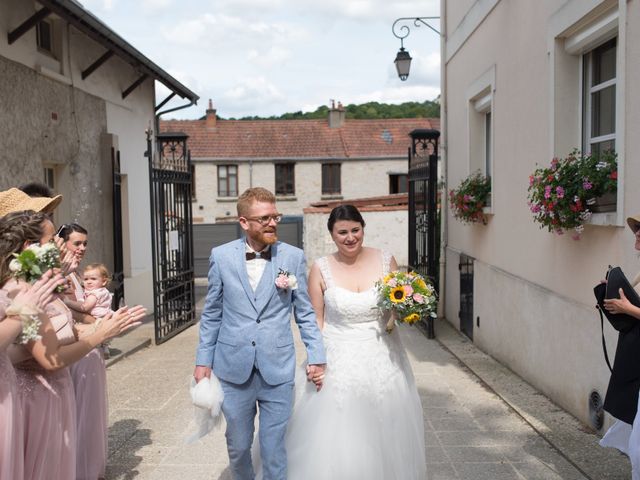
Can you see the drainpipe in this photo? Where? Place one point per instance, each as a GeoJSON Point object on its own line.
{"type": "Point", "coordinates": [192, 102]}
{"type": "Point", "coordinates": [444, 199]}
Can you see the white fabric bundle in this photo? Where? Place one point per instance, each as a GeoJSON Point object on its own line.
{"type": "Point", "coordinates": [206, 396]}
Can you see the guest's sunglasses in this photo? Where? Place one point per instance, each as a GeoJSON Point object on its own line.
{"type": "Point", "coordinates": [61, 231]}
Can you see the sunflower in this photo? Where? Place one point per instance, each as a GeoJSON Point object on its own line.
{"type": "Point", "coordinates": [412, 318]}
{"type": "Point", "coordinates": [397, 294]}
{"type": "Point", "coordinates": [387, 278]}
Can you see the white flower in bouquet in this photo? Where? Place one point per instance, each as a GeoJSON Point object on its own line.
{"type": "Point", "coordinates": [14, 265]}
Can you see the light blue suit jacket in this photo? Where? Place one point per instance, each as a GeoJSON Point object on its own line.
{"type": "Point", "coordinates": [240, 328]}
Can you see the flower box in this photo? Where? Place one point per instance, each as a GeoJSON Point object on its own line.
{"type": "Point", "coordinates": [605, 203]}
{"type": "Point", "coordinates": [469, 200]}
{"type": "Point", "coordinates": [563, 196]}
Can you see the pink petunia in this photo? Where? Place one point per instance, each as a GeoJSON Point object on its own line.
{"type": "Point", "coordinates": [547, 191]}
{"type": "Point", "coordinates": [560, 192]}
{"type": "Point", "coordinates": [587, 185]}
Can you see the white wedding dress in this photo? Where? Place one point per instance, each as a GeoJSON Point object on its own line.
{"type": "Point", "coordinates": [366, 422]}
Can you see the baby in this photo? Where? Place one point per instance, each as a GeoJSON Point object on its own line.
{"type": "Point", "coordinates": [97, 299]}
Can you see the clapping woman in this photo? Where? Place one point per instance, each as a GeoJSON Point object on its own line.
{"type": "Point", "coordinates": [44, 383]}
{"type": "Point", "coordinates": [33, 298]}
{"type": "Point", "coordinates": [89, 377]}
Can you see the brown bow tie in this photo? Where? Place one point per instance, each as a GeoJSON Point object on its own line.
{"type": "Point", "coordinates": [252, 255]}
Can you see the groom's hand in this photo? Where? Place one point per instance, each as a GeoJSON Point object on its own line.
{"type": "Point", "coordinates": [201, 372]}
{"type": "Point", "coordinates": [315, 374]}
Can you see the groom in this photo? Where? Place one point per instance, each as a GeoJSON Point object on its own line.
{"type": "Point", "coordinates": [246, 337]}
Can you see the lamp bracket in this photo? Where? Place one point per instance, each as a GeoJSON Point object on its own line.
{"type": "Point", "coordinates": [402, 31]}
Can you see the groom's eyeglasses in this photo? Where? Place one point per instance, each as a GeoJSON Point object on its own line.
{"type": "Point", "coordinates": [264, 220]}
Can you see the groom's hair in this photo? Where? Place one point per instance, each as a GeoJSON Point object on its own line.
{"type": "Point", "coordinates": [255, 194]}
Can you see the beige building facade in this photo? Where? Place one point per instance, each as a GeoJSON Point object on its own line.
{"type": "Point", "coordinates": [518, 89]}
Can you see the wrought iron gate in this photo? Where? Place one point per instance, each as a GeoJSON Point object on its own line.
{"type": "Point", "coordinates": [118, 256]}
{"type": "Point", "coordinates": [424, 235]}
{"type": "Point", "coordinates": [171, 235]}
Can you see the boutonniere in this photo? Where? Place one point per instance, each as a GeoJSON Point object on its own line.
{"type": "Point", "coordinates": [286, 280]}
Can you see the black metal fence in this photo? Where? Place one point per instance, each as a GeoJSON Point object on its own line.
{"type": "Point", "coordinates": [424, 234]}
{"type": "Point", "coordinates": [172, 235]}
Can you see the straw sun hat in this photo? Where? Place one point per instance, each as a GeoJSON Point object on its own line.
{"type": "Point", "coordinates": [634, 223]}
{"type": "Point", "coordinates": [14, 200]}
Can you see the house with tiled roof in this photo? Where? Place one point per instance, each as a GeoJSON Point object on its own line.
{"type": "Point", "coordinates": [302, 161]}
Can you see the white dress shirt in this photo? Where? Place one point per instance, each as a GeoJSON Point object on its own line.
{"type": "Point", "coordinates": [255, 267]}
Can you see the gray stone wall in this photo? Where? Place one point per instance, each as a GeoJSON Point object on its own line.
{"type": "Point", "coordinates": [48, 123]}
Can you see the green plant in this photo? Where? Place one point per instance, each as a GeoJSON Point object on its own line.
{"type": "Point", "coordinates": [561, 195]}
{"type": "Point", "coordinates": [468, 200]}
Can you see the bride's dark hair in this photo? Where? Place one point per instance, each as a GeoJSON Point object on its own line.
{"type": "Point", "coordinates": [344, 212]}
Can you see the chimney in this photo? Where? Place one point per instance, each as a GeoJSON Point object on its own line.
{"type": "Point", "coordinates": [211, 116]}
{"type": "Point", "coordinates": [337, 115]}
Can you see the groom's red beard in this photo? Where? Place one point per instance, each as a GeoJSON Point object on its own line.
{"type": "Point", "coordinates": [267, 240]}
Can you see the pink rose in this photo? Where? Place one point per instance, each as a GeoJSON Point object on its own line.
{"type": "Point", "coordinates": [418, 298]}
{"type": "Point", "coordinates": [408, 290]}
{"type": "Point", "coordinates": [282, 281]}
{"type": "Point", "coordinates": [392, 283]}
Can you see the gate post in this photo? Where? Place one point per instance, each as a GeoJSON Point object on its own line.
{"type": "Point", "coordinates": [423, 190]}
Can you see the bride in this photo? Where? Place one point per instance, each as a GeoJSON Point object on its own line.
{"type": "Point", "coordinates": [366, 420]}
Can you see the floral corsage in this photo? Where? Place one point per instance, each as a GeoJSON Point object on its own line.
{"type": "Point", "coordinates": [286, 280]}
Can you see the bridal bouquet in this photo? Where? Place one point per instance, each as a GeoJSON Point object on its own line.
{"type": "Point", "coordinates": [408, 295]}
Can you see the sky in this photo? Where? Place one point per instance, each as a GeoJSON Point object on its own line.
{"type": "Point", "coordinates": [268, 57]}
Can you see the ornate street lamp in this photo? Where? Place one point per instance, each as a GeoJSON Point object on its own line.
{"type": "Point", "coordinates": [403, 59]}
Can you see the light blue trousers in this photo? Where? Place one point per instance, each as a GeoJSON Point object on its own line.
{"type": "Point", "coordinates": [239, 408]}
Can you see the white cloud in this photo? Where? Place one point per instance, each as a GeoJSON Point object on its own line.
{"type": "Point", "coordinates": [253, 92]}
{"type": "Point", "coordinates": [155, 5]}
{"type": "Point", "coordinates": [272, 57]}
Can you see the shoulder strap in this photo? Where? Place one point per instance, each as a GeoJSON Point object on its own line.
{"type": "Point", "coordinates": [604, 344]}
{"type": "Point", "coordinates": [386, 262]}
{"type": "Point", "coordinates": [323, 263]}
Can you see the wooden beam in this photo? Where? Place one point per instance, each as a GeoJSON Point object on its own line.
{"type": "Point", "coordinates": [162, 103]}
{"type": "Point", "coordinates": [94, 66]}
{"type": "Point", "coordinates": [28, 24]}
{"type": "Point", "coordinates": [134, 85]}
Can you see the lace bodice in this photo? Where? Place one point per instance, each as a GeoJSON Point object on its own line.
{"type": "Point", "coordinates": [345, 309]}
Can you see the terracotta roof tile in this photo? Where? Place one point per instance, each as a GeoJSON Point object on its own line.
{"type": "Point", "coordinates": [298, 138]}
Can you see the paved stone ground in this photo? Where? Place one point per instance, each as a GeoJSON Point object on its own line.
{"type": "Point", "coordinates": [475, 428]}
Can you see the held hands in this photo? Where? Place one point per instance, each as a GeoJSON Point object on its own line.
{"type": "Point", "coordinates": [315, 374]}
{"type": "Point", "coordinates": [619, 305]}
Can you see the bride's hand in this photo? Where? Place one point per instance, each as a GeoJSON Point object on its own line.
{"type": "Point", "coordinates": [315, 374]}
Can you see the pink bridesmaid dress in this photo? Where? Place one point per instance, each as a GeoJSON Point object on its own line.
{"type": "Point", "coordinates": [11, 425]}
{"type": "Point", "coordinates": [90, 383]}
{"type": "Point", "coordinates": [49, 408]}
